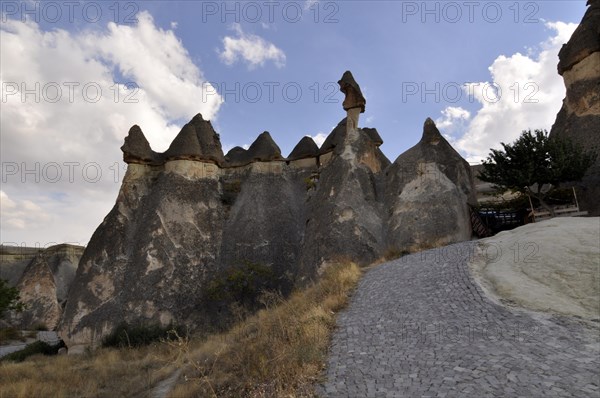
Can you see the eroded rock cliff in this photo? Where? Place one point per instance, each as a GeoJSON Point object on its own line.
{"type": "Point", "coordinates": [579, 117]}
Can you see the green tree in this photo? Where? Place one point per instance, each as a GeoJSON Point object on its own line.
{"type": "Point", "coordinates": [535, 165]}
{"type": "Point", "coordinates": [9, 299]}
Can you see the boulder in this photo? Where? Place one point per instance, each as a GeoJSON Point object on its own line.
{"type": "Point", "coordinates": [428, 191]}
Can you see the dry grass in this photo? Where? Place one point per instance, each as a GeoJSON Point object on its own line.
{"type": "Point", "coordinates": [278, 352]}
{"type": "Point", "coordinates": [105, 373]}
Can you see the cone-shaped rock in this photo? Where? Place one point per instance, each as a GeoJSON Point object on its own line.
{"type": "Point", "coordinates": [197, 140]}
{"type": "Point", "coordinates": [237, 156]}
{"type": "Point", "coordinates": [579, 117]}
{"type": "Point", "coordinates": [37, 290]}
{"type": "Point", "coordinates": [428, 190]}
{"type": "Point", "coordinates": [136, 148]}
{"type": "Point", "coordinates": [306, 148]}
{"type": "Point", "coordinates": [335, 138]}
{"type": "Point", "coordinates": [264, 149]}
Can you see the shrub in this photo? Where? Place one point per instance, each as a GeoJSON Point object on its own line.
{"type": "Point", "coordinates": [243, 284]}
{"type": "Point", "coordinates": [126, 335]}
{"type": "Point", "coordinates": [10, 334]}
{"type": "Point", "coordinates": [39, 347]}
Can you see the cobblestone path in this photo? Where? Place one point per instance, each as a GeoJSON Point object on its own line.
{"type": "Point", "coordinates": [420, 326]}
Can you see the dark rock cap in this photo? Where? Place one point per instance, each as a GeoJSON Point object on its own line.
{"type": "Point", "coordinates": [237, 156]}
{"type": "Point", "coordinates": [197, 140]}
{"type": "Point", "coordinates": [336, 137]}
{"type": "Point", "coordinates": [136, 148]}
{"type": "Point", "coordinates": [264, 149]}
{"type": "Point", "coordinates": [354, 97]}
{"type": "Point", "coordinates": [584, 41]}
{"type": "Point", "coordinates": [373, 135]}
{"type": "Point", "coordinates": [306, 148]}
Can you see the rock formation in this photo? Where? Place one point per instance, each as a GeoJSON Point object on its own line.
{"type": "Point", "coordinates": [429, 188]}
{"type": "Point", "coordinates": [43, 283]}
{"type": "Point", "coordinates": [579, 117]}
{"type": "Point", "coordinates": [187, 219]}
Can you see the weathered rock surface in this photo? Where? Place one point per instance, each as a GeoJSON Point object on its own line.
{"type": "Point", "coordinates": [579, 117]}
{"type": "Point", "coordinates": [306, 148]}
{"type": "Point", "coordinates": [43, 283]}
{"type": "Point", "coordinates": [136, 148]}
{"type": "Point", "coordinates": [38, 292]}
{"type": "Point", "coordinates": [428, 190]}
{"type": "Point", "coordinates": [344, 211]}
{"type": "Point", "coordinates": [182, 230]}
{"type": "Point", "coordinates": [197, 140]}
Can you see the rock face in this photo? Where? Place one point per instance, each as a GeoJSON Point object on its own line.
{"type": "Point", "coordinates": [579, 117]}
{"type": "Point", "coordinates": [43, 283]}
{"type": "Point", "coordinates": [38, 291]}
{"type": "Point", "coordinates": [185, 228]}
{"type": "Point", "coordinates": [429, 188]}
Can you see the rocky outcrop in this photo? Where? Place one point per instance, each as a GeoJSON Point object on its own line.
{"type": "Point", "coordinates": [38, 292]}
{"type": "Point", "coordinates": [428, 190]}
{"type": "Point", "coordinates": [579, 117]}
{"type": "Point", "coordinates": [136, 148]}
{"type": "Point", "coordinates": [344, 211]}
{"type": "Point", "coordinates": [43, 283]}
{"type": "Point", "coordinates": [184, 230]}
{"type": "Point", "coordinates": [197, 140]}
{"type": "Point", "coordinates": [306, 148]}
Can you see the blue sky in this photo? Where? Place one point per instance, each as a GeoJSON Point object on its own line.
{"type": "Point", "coordinates": [242, 64]}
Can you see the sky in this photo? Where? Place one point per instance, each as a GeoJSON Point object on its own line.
{"type": "Point", "coordinates": [75, 76]}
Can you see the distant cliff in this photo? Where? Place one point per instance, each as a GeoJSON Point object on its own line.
{"type": "Point", "coordinates": [190, 218]}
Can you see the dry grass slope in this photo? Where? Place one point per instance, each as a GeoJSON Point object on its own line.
{"type": "Point", "coordinates": [278, 352]}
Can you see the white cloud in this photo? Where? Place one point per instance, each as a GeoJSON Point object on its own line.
{"type": "Point", "coordinates": [21, 214]}
{"type": "Point", "coordinates": [319, 138]}
{"type": "Point", "coordinates": [54, 150]}
{"type": "Point", "coordinates": [309, 3]}
{"type": "Point", "coordinates": [531, 96]}
{"type": "Point", "coordinates": [453, 119]}
{"type": "Point", "coordinates": [174, 25]}
{"type": "Point", "coordinates": [252, 49]}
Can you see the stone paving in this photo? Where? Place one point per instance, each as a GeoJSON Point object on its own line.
{"type": "Point", "coordinates": [420, 326]}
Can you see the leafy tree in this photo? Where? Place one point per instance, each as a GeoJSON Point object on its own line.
{"type": "Point", "coordinates": [9, 299]}
{"type": "Point", "coordinates": [535, 165]}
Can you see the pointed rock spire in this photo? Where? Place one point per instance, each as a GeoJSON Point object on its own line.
{"type": "Point", "coordinates": [264, 149]}
{"type": "Point", "coordinates": [136, 148]}
{"type": "Point", "coordinates": [431, 134]}
{"type": "Point", "coordinates": [197, 140]}
{"type": "Point", "coordinates": [335, 138]}
{"type": "Point", "coordinates": [306, 148]}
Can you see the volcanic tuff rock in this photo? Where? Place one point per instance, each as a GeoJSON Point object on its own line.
{"type": "Point", "coordinates": [428, 190]}
{"type": "Point", "coordinates": [38, 291]}
{"type": "Point", "coordinates": [306, 148]}
{"type": "Point", "coordinates": [43, 283]}
{"type": "Point", "coordinates": [180, 228]}
{"type": "Point", "coordinates": [579, 117]}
